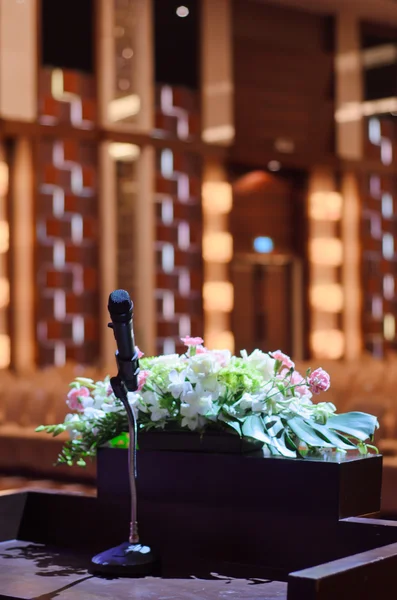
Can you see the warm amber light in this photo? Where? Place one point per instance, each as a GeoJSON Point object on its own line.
{"type": "Point", "coordinates": [218, 247]}
{"type": "Point", "coordinates": [4, 237]}
{"type": "Point", "coordinates": [325, 206]}
{"type": "Point", "coordinates": [3, 178]}
{"type": "Point", "coordinates": [4, 292]}
{"type": "Point", "coordinates": [328, 343]}
{"type": "Point", "coordinates": [124, 108]}
{"type": "Point", "coordinates": [327, 298]}
{"type": "Point", "coordinates": [326, 251]}
{"type": "Point", "coordinates": [5, 351]}
{"type": "Point", "coordinates": [217, 197]}
{"type": "Point", "coordinates": [222, 340]}
{"type": "Point", "coordinates": [124, 152]}
{"type": "Point", "coordinates": [389, 327]}
{"type": "Point", "coordinates": [218, 296]}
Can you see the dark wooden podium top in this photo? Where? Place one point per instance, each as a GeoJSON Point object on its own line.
{"type": "Point", "coordinates": [33, 571]}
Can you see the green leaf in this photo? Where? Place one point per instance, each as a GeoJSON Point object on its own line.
{"type": "Point", "coordinates": [273, 425]}
{"type": "Point", "coordinates": [253, 427]}
{"type": "Point", "coordinates": [330, 436]}
{"type": "Point", "coordinates": [357, 424]}
{"type": "Point", "coordinates": [306, 433]}
{"type": "Point", "coordinates": [280, 444]}
{"type": "Point", "coordinates": [230, 422]}
{"type": "Point", "coordinates": [41, 428]}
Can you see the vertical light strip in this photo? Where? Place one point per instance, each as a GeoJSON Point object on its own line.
{"type": "Point", "coordinates": [107, 247]}
{"type": "Point", "coordinates": [217, 252]}
{"type": "Point", "coordinates": [18, 60]}
{"type": "Point", "coordinates": [126, 58]}
{"type": "Point", "coordinates": [5, 350]}
{"type": "Point", "coordinates": [351, 267]}
{"type": "Point", "coordinates": [23, 261]}
{"type": "Point", "coordinates": [144, 235]}
{"type": "Point", "coordinates": [217, 72]}
{"type": "Point", "coordinates": [348, 84]}
{"type": "Point", "coordinates": [325, 251]}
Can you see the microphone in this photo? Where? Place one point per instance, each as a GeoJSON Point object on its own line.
{"type": "Point", "coordinates": [120, 309]}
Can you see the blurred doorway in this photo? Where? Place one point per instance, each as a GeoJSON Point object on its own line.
{"type": "Point", "coordinates": [268, 268]}
{"type": "Point", "coordinates": [268, 304]}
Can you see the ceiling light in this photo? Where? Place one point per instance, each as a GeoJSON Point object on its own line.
{"type": "Point", "coordinates": [127, 53]}
{"type": "Point", "coordinates": [274, 165]}
{"type": "Point", "coordinates": [182, 11]}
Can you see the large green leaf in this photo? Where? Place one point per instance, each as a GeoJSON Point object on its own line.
{"type": "Point", "coordinates": [273, 425]}
{"type": "Point", "coordinates": [253, 427]}
{"type": "Point", "coordinates": [280, 444]}
{"type": "Point", "coordinates": [230, 422]}
{"type": "Point", "coordinates": [330, 436]}
{"type": "Point", "coordinates": [307, 434]}
{"type": "Point", "coordinates": [357, 424]}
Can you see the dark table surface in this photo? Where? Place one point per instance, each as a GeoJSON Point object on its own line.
{"type": "Point", "coordinates": [31, 571]}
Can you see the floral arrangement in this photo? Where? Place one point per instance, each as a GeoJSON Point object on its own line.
{"type": "Point", "coordinates": [259, 396]}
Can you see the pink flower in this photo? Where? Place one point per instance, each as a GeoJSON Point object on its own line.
{"type": "Point", "coordinates": [319, 381]}
{"type": "Point", "coordinates": [74, 396]}
{"type": "Point", "coordinates": [222, 357]}
{"type": "Point", "coordinates": [140, 353]}
{"type": "Point", "coordinates": [201, 349]}
{"type": "Point", "coordinates": [109, 390]}
{"type": "Point", "coordinates": [297, 379]}
{"type": "Point", "coordinates": [142, 377]}
{"type": "Point", "coordinates": [192, 341]}
{"type": "Point", "coordinates": [286, 362]}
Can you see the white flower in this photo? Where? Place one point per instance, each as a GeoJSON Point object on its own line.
{"type": "Point", "coordinates": [261, 361]}
{"type": "Point", "coordinates": [191, 422]}
{"type": "Point", "coordinates": [223, 357]}
{"type": "Point", "coordinates": [178, 384]}
{"type": "Point", "coordinates": [210, 385]}
{"type": "Point", "coordinates": [136, 401]}
{"type": "Point", "coordinates": [71, 420]}
{"type": "Point", "coordinates": [157, 413]}
{"type": "Point", "coordinates": [167, 359]}
{"type": "Point", "coordinates": [86, 402]}
{"type": "Point", "coordinates": [202, 366]}
{"type": "Point", "coordinates": [151, 402]}
{"type": "Point", "coordinates": [93, 413]}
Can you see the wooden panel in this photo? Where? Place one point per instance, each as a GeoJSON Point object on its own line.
{"type": "Point", "coordinates": [283, 69]}
{"type": "Point", "coordinates": [179, 270]}
{"type": "Point", "coordinates": [66, 252]}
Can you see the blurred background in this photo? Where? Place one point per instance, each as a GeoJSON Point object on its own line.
{"type": "Point", "coordinates": [230, 163]}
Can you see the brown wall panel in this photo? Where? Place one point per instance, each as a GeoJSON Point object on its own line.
{"type": "Point", "coordinates": [283, 69]}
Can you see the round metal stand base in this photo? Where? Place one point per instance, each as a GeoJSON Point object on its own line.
{"type": "Point", "coordinates": [126, 560]}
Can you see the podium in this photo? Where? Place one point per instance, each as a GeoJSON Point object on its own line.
{"type": "Point", "coordinates": [252, 526]}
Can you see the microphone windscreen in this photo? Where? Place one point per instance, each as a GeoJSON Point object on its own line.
{"type": "Point", "coordinates": [119, 302]}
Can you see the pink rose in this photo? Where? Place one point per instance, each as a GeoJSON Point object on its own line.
{"type": "Point", "coordinates": [142, 377]}
{"type": "Point", "coordinates": [286, 362]}
{"type": "Point", "coordinates": [319, 381]}
{"type": "Point", "coordinates": [140, 353]}
{"type": "Point", "coordinates": [73, 398]}
{"type": "Point", "coordinates": [297, 379]}
{"type": "Point", "coordinates": [192, 341]}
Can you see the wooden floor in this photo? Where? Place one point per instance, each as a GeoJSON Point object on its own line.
{"type": "Point", "coordinates": [30, 570]}
{"type": "Point", "coordinates": [22, 483]}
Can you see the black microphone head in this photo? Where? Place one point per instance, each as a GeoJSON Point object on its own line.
{"type": "Point", "coordinates": [120, 303]}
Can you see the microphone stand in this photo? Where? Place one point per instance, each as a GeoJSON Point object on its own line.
{"type": "Point", "coordinates": [129, 559]}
